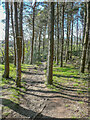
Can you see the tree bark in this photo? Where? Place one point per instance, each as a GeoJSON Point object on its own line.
{"type": "Point", "coordinates": [39, 44]}
{"type": "Point", "coordinates": [85, 16]}
{"type": "Point", "coordinates": [89, 43]}
{"type": "Point", "coordinates": [13, 34]}
{"type": "Point", "coordinates": [44, 38]}
{"type": "Point", "coordinates": [57, 58]}
{"type": "Point", "coordinates": [61, 63]}
{"type": "Point", "coordinates": [77, 35]}
{"type": "Point", "coordinates": [6, 72]}
{"type": "Point", "coordinates": [21, 27]}
{"type": "Point", "coordinates": [71, 34]}
{"type": "Point", "coordinates": [35, 48]}
{"type": "Point", "coordinates": [32, 43]}
{"type": "Point", "coordinates": [51, 48]}
{"type": "Point", "coordinates": [89, 56]}
{"type": "Point", "coordinates": [18, 49]}
{"type": "Point", "coordinates": [23, 55]}
{"type": "Point", "coordinates": [68, 36]}
{"type": "Point", "coordinates": [86, 38]}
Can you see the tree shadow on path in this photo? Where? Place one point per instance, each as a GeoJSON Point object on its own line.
{"type": "Point", "coordinates": [29, 114]}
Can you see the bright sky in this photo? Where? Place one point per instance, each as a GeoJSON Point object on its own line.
{"type": "Point", "coordinates": [2, 26]}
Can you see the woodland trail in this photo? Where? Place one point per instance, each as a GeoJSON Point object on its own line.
{"type": "Point", "coordinates": [40, 102]}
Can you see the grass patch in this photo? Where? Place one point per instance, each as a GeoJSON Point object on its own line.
{"type": "Point", "coordinates": [81, 102]}
{"type": "Point", "coordinates": [67, 105]}
{"type": "Point", "coordinates": [68, 78]}
{"type": "Point", "coordinates": [9, 85]}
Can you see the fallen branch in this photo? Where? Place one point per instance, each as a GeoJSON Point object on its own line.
{"type": "Point", "coordinates": [39, 112]}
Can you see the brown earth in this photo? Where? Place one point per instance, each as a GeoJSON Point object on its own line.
{"type": "Point", "coordinates": [41, 102]}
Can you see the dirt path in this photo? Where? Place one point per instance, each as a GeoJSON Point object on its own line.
{"type": "Point", "coordinates": [41, 102]}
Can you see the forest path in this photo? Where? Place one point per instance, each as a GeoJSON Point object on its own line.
{"type": "Point", "coordinates": [41, 102]}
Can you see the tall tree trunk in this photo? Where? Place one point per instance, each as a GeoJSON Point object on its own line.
{"type": "Point", "coordinates": [6, 72]}
{"type": "Point", "coordinates": [77, 35]}
{"type": "Point", "coordinates": [71, 34]}
{"type": "Point", "coordinates": [89, 56]}
{"type": "Point", "coordinates": [67, 42]}
{"type": "Point", "coordinates": [85, 16]}
{"type": "Point", "coordinates": [57, 58]}
{"type": "Point", "coordinates": [39, 44]}
{"type": "Point", "coordinates": [62, 44]}
{"type": "Point", "coordinates": [74, 42]}
{"type": "Point", "coordinates": [13, 34]}
{"type": "Point", "coordinates": [44, 38]}
{"type": "Point", "coordinates": [21, 27]}
{"type": "Point", "coordinates": [86, 38]}
{"type": "Point", "coordinates": [23, 55]}
{"type": "Point", "coordinates": [18, 49]}
{"type": "Point", "coordinates": [89, 45]}
{"type": "Point", "coordinates": [80, 45]}
{"type": "Point", "coordinates": [22, 45]}
{"type": "Point", "coordinates": [32, 43]}
{"type": "Point", "coordinates": [51, 48]}
{"type": "Point", "coordinates": [71, 40]}
{"type": "Point", "coordinates": [55, 42]}
{"type": "Point", "coordinates": [35, 48]}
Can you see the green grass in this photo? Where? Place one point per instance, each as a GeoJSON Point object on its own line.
{"type": "Point", "coordinates": [67, 105]}
{"type": "Point", "coordinates": [81, 102]}
{"type": "Point", "coordinates": [9, 85]}
{"type": "Point", "coordinates": [12, 92]}
{"type": "Point", "coordinates": [69, 75]}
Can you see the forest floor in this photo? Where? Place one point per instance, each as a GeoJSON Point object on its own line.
{"type": "Point", "coordinates": [37, 100]}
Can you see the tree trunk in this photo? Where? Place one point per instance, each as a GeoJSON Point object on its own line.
{"type": "Point", "coordinates": [23, 55]}
{"type": "Point", "coordinates": [18, 50]}
{"type": "Point", "coordinates": [68, 34]}
{"type": "Point", "coordinates": [77, 35]}
{"type": "Point", "coordinates": [72, 35]}
{"type": "Point", "coordinates": [89, 56]}
{"type": "Point", "coordinates": [85, 16]}
{"type": "Point", "coordinates": [22, 45]}
{"type": "Point", "coordinates": [44, 38]}
{"type": "Point", "coordinates": [89, 45]}
{"type": "Point", "coordinates": [21, 27]}
{"type": "Point", "coordinates": [39, 44]}
{"type": "Point", "coordinates": [6, 72]}
{"type": "Point", "coordinates": [32, 43]}
{"type": "Point", "coordinates": [86, 38]}
{"type": "Point", "coordinates": [35, 48]}
{"type": "Point", "coordinates": [61, 64]}
{"type": "Point", "coordinates": [13, 34]}
{"type": "Point", "coordinates": [57, 58]}
{"type": "Point", "coordinates": [51, 48]}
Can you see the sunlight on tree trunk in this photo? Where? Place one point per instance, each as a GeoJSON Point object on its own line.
{"type": "Point", "coordinates": [6, 72]}
{"type": "Point", "coordinates": [13, 34]}
{"type": "Point", "coordinates": [32, 43]}
{"type": "Point", "coordinates": [51, 48]}
{"type": "Point", "coordinates": [86, 38]}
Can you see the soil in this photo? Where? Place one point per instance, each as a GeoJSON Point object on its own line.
{"type": "Point", "coordinates": [42, 102]}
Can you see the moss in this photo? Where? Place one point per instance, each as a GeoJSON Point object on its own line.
{"type": "Point", "coordinates": [6, 113]}
{"type": "Point", "coordinates": [75, 84]}
{"type": "Point", "coordinates": [66, 105]}
{"type": "Point", "coordinates": [74, 117]}
{"type": "Point", "coordinates": [81, 102]}
{"type": "Point", "coordinates": [79, 91]}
